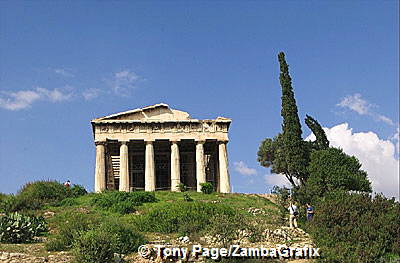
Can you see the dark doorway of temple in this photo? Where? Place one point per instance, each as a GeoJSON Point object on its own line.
{"type": "Point", "coordinates": [188, 164]}
{"type": "Point", "coordinates": [162, 158]}
{"type": "Point", "coordinates": [136, 165]}
{"type": "Point", "coordinates": [211, 162]}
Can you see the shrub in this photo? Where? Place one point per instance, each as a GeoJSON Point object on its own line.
{"type": "Point", "coordinates": [73, 225]}
{"type": "Point", "coordinates": [95, 246]}
{"type": "Point", "coordinates": [182, 217]}
{"type": "Point", "coordinates": [122, 202]}
{"type": "Point", "coordinates": [182, 187]}
{"type": "Point", "coordinates": [55, 244]}
{"type": "Point", "coordinates": [18, 228]}
{"type": "Point", "coordinates": [283, 197]}
{"type": "Point", "coordinates": [76, 190]}
{"type": "Point", "coordinates": [70, 201]}
{"type": "Point", "coordinates": [127, 238]}
{"type": "Point", "coordinates": [356, 227]}
{"type": "Point", "coordinates": [225, 228]}
{"type": "Point", "coordinates": [8, 204]}
{"type": "Point", "coordinates": [35, 195]}
{"type": "Point", "coordinates": [207, 188]}
{"type": "Point", "coordinates": [187, 198]}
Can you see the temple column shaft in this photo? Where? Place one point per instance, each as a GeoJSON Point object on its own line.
{"type": "Point", "coordinates": [149, 174]}
{"type": "Point", "coordinates": [123, 168]}
{"type": "Point", "coordinates": [100, 170]}
{"type": "Point", "coordinates": [200, 167]}
{"type": "Point", "coordinates": [225, 185]}
{"type": "Point", "coordinates": [175, 166]}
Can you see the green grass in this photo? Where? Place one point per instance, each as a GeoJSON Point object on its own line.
{"type": "Point", "coordinates": [82, 205]}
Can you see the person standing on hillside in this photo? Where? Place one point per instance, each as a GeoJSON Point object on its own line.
{"type": "Point", "coordinates": [293, 213]}
{"type": "Point", "coordinates": [310, 212]}
{"type": "Point", "coordinates": [67, 184]}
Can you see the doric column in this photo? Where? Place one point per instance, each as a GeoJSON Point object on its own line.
{"type": "Point", "coordinates": [100, 170]}
{"type": "Point", "coordinates": [224, 180]}
{"type": "Point", "coordinates": [200, 168]}
{"type": "Point", "coordinates": [150, 173]}
{"type": "Point", "coordinates": [175, 166]}
{"type": "Point", "coordinates": [123, 167]}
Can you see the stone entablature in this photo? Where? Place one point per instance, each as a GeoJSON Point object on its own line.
{"type": "Point", "coordinates": [142, 136]}
{"type": "Point", "coordinates": [144, 130]}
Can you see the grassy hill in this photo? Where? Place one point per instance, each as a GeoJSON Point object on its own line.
{"type": "Point", "coordinates": [172, 219]}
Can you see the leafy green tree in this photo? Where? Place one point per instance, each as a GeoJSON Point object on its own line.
{"type": "Point", "coordinates": [330, 170]}
{"type": "Point", "coordinates": [356, 228]}
{"type": "Point", "coordinates": [321, 141]}
{"type": "Point", "coordinates": [293, 144]}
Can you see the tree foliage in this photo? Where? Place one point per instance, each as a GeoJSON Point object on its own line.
{"type": "Point", "coordinates": [332, 170]}
{"type": "Point", "coordinates": [293, 145]}
{"type": "Point", "coordinates": [321, 141]}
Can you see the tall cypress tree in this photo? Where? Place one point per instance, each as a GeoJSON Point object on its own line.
{"type": "Point", "coordinates": [294, 147]}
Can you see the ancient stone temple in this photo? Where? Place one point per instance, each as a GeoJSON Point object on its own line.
{"type": "Point", "coordinates": [157, 148]}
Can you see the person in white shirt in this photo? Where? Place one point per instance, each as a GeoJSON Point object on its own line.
{"type": "Point", "coordinates": [293, 213]}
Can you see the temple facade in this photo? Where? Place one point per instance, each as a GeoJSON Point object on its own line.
{"type": "Point", "coordinates": [157, 148]}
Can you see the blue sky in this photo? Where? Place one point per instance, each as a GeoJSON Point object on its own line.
{"type": "Point", "coordinates": [63, 63]}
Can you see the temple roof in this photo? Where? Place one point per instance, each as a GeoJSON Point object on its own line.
{"type": "Point", "coordinates": [155, 113]}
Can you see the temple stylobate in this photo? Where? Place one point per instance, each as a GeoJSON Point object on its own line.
{"type": "Point", "coordinates": [157, 148]}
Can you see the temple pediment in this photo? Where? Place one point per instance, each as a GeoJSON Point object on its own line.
{"type": "Point", "coordinates": [157, 112]}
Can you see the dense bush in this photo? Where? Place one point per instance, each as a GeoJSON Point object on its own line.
{"type": "Point", "coordinates": [207, 188]}
{"type": "Point", "coordinates": [182, 217]}
{"type": "Point", "coordinates": [283, 199]}
{"type": "Point", "coordinates": [2, 197]}
{"type": "Point", "coordinates": [356, 227]}
{"type": "Point", "coordinates": [127, 238]}
{"type": "Point", "coordinates": [95, 246]}
{"type": "Point", "coordinates": [37, 194]}
{"type": "Point", "coordinates": [122, 202]}
{"type": "Point", "coordinates": [225, 228]}
{"type": "Point", "coordinates": [182, 187]}
{"type": "Point", "coordinates": [187, 198]}
{"type": "Point", "coordinates": [76, 190]}
{"type": "Point", "coordinates": [8, 204]}
{"type": "Point", "coordinates": [70, 201]}
{"type": "Point", "coordinates": [18, 228]}
{"type": "Point", "coordinates": [73, 225]}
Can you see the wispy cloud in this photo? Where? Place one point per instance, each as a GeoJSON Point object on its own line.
{"type": "Point", "coordinates": [64, 72]}
{"type": "Point", "coordinates": [25, 98]}
{"type": "Point", "coordinates": [361, 106]}
{"type": "Point", "coordinates": [91, 93]}
{"type": "Point", "coordinates": [242, 168]}
{"type": "Point", "coordinates": [123, 82]}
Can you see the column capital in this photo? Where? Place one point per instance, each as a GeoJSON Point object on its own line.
{"type": "Point", "coordinates": [123, 142]}
{"type": "Point", "coordinates": [175, 141]}
{"type": "Point", "coordinates": [223, 141]}
{"type": "Point", "coordinates": [200, 141]}
{"type": "Point", "coordinates": [148, 142]}
{"type": "Point", "coordinates": [100, 143]}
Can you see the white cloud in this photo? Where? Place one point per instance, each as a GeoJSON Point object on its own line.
{"type": "Point", "coordinates": [363, 107]}
{"type": "Point", "coordinates": [25, 98]}
{"type": "Point", "coordinates": [124, 82]}
{"type": "Point", "coordinates": [63, 72]}
{"type": "Point", "coordinates": [277, 179]}
{"type": "Point", "coordinates": [243, 169]}
{"type": "Point", "coordinates": [377, 156]}
{"type": "Point", "coordinates": [91, 93]}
